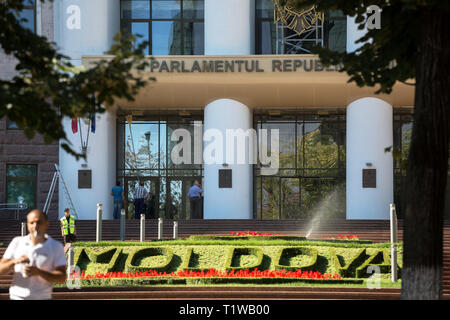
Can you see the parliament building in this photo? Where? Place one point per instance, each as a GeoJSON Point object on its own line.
{"type": "Point", "coordinates": [239, 103]}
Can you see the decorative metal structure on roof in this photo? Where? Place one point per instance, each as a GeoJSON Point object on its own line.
{"type": "Point", "coordinates": [298, 21]}
{"type": "Point", "coordinates": [297, 30]}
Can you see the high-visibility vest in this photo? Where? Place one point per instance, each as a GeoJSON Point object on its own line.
{"type": "Point", "coordinates": [68, 226]}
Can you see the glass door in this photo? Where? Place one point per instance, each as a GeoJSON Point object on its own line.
{"type": "Point", "coordinates": [178, 204]}
{"type": "Point", "coordinates": [151, 205]}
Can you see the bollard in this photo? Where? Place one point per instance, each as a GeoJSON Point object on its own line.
{"type": "Point", "coordinates": [160, 228]}
{"type": "Point", "coordinates": [122, 225]}
{"type": "Point", "coordinates": [24, 229]}
{"type": "Point", "coordinates": [99, 223]}
{"type": "Point", "coordinates": [175, 230]}
{"type": "Point", "coordinates": [142, 233]}
{"type": "Point", "coordinates": [69, 262]}
{"type": "Point", "coordinates": [393, 219]}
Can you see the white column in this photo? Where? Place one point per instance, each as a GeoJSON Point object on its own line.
{"type": "Point", "coordinates": [235, 202]}
{"type": "Point", "coordinates": [229, 27]}
{"type": "Point", "coordinates": [86, 27]}
{"type": "Point", "coordinates": [369, 132]}
{"type": "Point", "coordinates": [229, 30]}
{"type": "Point", "coordinates": [101, 160]}
{"type": "Point", "coordinates": [39, 18]}
{"type": "Point", "coordinates": [353, 34]}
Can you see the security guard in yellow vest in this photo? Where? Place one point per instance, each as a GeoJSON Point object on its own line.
{"type": "Point", "coordinates": [68, 229]}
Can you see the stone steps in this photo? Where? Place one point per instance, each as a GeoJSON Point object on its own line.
{"type": "Point", "coordinates": [377, 231]}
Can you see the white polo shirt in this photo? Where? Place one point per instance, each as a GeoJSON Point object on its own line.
{"type": "Point", "coordinates": [46, 256]}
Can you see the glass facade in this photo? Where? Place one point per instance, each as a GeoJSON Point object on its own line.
{"type": "Point", "coordinates": [265, 28]}
{"type": "Point", "coordinates": [172, 27]}
{"type": "Point", "coordinates": [335, 31]}
{"type": "Point", "coordinates": [21, 184]}
{"type": "Point", "coordinates": [176, 27]}
{"type": "Point", "coordinates": [28, 15]}
{"type": "Point", "coordinates": [144, 148]}
{"type": "Point", "coordinates": [311, 177]}
{"type": "Point", "coordinates": [402, 139]}
{"type": "Point", "coordinates": [403, 123]}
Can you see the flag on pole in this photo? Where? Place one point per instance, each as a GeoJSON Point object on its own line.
{"type": "Point", "coordinates": [93, 123]}
{"type": "Point", "coordinates": [74, 125]}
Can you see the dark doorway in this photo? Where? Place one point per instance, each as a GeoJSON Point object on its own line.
{"type": "Point", "coordinates": [151, 205]}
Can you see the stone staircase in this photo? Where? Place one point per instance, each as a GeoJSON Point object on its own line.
{"type": "Point", "coordinates": [375, 230]}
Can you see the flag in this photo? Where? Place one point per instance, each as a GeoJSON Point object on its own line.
{"type": "Point", "coordinates": [93, 123]}
{"type": "Point", "coordinates": [93, 115]}
{"type": "Point", "coordinates": [74, 125]}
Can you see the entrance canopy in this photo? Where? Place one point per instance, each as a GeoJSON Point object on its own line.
{"type": "Point", "coordinates": [258, 81]}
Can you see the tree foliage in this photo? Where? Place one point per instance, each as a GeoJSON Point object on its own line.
{"type": "Point", "coordinates": [47, 87]}
{"type": "Point", "coordinates": [410, 46]}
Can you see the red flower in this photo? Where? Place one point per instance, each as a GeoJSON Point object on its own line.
{"type": "Point", "coordinates": [255, 273]}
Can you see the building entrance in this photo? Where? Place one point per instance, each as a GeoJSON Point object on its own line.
{"type": "Point", "coordinates": [151, 206]}
{"type": "Point", "coordinates": [144, 152]}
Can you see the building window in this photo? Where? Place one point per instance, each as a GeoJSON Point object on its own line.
{"type": "Point", "coordinates": [335, 31]}
{"type": "Point", "coordinates": [275, 38]}
{"type": "Point", "coordinates": [403, 124]}
{"type": "Point", "coordinates": [27, 16]}
{"type": "Point", "coordinates": [21, 184]}
{"type": "Point", "coordinates": [172, 27]}
{"type": "Point", "coordinates": [265, 29]}
{"type": "Point", "coordinates": [311, 176]}
{"type": "Point", "coordinates": [11, 125]}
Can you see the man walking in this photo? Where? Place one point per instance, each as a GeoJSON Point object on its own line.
{"type": "Point", "coordinates": [68, 229]}
{"type": "Point", "coordinates": [140, 196]}
{"type": "Point", "coordinates": [119, 197]}
{"type": "Point", "coordinates": [195, 200]}
{"type": "Point", "coordinates": [36, 259]}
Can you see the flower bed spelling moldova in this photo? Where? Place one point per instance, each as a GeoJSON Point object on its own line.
{"type": "Point", "coordinates": [243, 259]}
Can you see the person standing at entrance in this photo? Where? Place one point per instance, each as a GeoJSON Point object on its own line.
{"type": "Point", "coordinates": [140, 197]}
{"type": "Point", "coordinates": [195, 200]}
{"type": "Point", "coordinates": [68, 229]}
{"type": "Point", "coordinates": [119, 197]}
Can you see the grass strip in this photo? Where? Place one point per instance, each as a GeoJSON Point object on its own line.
{"type": "Point", "coordinates": [336, 244]}
{"type": "Point", "coordinates": [124, 282]}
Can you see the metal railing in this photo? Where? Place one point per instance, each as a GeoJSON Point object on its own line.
{"type": "Point", "coordinates": [17, 208]}
{"type": "Point", "coordinates": [289, 42]}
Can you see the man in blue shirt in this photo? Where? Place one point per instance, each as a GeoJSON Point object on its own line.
{"type": "Point", "coordinates": [119, 196]}
{"type": "Point", "coordinates": [195, 200]}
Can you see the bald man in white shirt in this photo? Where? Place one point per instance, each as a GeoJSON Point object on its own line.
{"type": "Point", "coordinates": [37, 261]}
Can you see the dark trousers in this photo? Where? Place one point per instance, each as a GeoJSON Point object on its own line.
{"type": "Point", "coordinates": [196, 206]}
{"type": "Point", "coordinates": [69, 238]}
{"type": "Point", "coordinates": [117, 209]}
{"type": "Point", "coordinates": [139, 208]}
